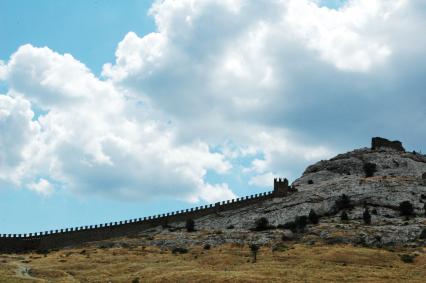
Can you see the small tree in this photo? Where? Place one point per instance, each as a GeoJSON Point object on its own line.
{"type": "Point", "coordinates": [366, 216]}
{"type": "Point", "coordinates": [406, 208]}
{"type": "Point", "coordinates": [344, 216]}
{"type": "Point", "coordinates": [343, 202]}
{"type": "Point", "coordinates": [254, 249]}
{"type": "Point", "coordinates": [262, 224]}
{"type": "Point", "coordinates": [190, 225]}
{"type": "Point", "coordinates": [313, 217]}
{"type": "Point", "coordinates": [369, 169]}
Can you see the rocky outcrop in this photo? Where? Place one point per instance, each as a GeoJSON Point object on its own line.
{"type": "Point", "coordinates": [399, 176]}
{"type": "Point", "coordinates": [381, 143]}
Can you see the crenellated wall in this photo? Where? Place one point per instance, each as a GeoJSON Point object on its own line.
{"type": "Point", "coordinates": [73, 236]}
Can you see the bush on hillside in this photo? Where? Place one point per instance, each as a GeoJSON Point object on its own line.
{"type": "Point", "coordinates": [406, 208]}
{"type": "Point", "coordinates": [313, 217]}
{"type": "Point", "coordinates": [190, 225]}
{"type": "Point", "coordinates": [369, 169]}
{"type": "Point", "coordinates": [343, 202]}
{"type": "Point", "coordinates": [301, 222]}
{"type": "Point", "coordinates": [254, 249]}
{"type": "Point", "coordinates": [344, 216]}
{"type": "Point", "coordinates": [261, 224]}
{"type": "Point", "coordinates": [366, 216]}
{"type": "Point", "coordinates": [179, 250]}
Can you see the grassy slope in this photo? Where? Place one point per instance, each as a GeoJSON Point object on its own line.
{"type": "Point", "coordinates": [228, 263]}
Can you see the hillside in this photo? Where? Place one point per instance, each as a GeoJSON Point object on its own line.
{"type": "Point", "coordinates": [370, 205]}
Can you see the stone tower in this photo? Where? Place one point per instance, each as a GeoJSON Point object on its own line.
{"type": "Point", "coordinates": [281, 187]}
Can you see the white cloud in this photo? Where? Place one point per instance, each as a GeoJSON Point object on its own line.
{"type": "Point", "coordinates": [276, 83]}
{"type": "Point", "coordinates": [18, 132]}
{"type": "Point", "coordinates": [42, 187]}
{"type": "Point", "coordinates": [97, 140]}
{"type": "Point", "coordinates": [343, 37]}
{"type": "Point", "coordinates": [263, 180]}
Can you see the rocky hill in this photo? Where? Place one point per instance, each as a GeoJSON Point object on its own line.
{"type": "Point", "coordinates": [358, 217]}
{"type": "Point", "coordinates": [384, 180]}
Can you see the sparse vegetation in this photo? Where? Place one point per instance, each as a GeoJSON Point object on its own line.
{"type": "Point", "coordinates": [227, 263]}
{"type": "Point", "coordinates": [369, 169]}
{"type": "Point", "coordinates": [190, 225]}
{"type": "Point", "coordinates": [366, 216]}
{"type": "Point", "coordinates": [313, 217]}
{"type": "Point", "coordinates": [406, 208]}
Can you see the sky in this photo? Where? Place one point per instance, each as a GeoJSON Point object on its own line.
{"type": "Point", "coordinates": [112, 111]}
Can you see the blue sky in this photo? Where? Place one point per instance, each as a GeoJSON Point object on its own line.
{"type": "Point", "coordinates": [108, 112]}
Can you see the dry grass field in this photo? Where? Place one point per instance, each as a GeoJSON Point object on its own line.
{"type": "Point", "coordinates": [226, 263]}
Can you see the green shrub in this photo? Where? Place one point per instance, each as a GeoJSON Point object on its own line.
{"type": "Point", "coordinates": [313, 217]}
{"type": "Point", "coordinates": [369, 169]}
{"type": "Point", "coordinates": [254, 249]}
{"type": "Point", "coordinates": [343, 202]}
{"type": "Point", "coordinates": [261, 224]}
{"type": "Point", "coordinates": [406, 208]}
{"type": "Point", "coordinates": [289, 226]}
{"type": "Point", "coordinates": [190, 225]}
{"type": "Point", "coordinates": [366, 216]}
{"type": "Point", "coordinates": [344, 216]}
{"type": "Point", "coordinates": [301, 222]}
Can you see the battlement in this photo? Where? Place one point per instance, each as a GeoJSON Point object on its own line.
{"type": "Point", "coordinates": [78, 235]}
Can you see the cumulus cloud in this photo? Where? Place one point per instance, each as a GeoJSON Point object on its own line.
{"type": "Point", "coordinates": [93, 139]}
{"type": "Point", "coordinates": [18, 132]}
{"type": "Point", "coordinates": [277, 84]}
{"type": "Point", "coordinates": [269, 66]}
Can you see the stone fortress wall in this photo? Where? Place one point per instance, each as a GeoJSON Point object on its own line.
{"type": "Point", "coordinates": [73, 236]}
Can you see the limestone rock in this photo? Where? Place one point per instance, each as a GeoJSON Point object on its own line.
{"type": "Point", "coordinates": [380, 143]}
{"type": "Point", "coordinates": [399, 177]}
